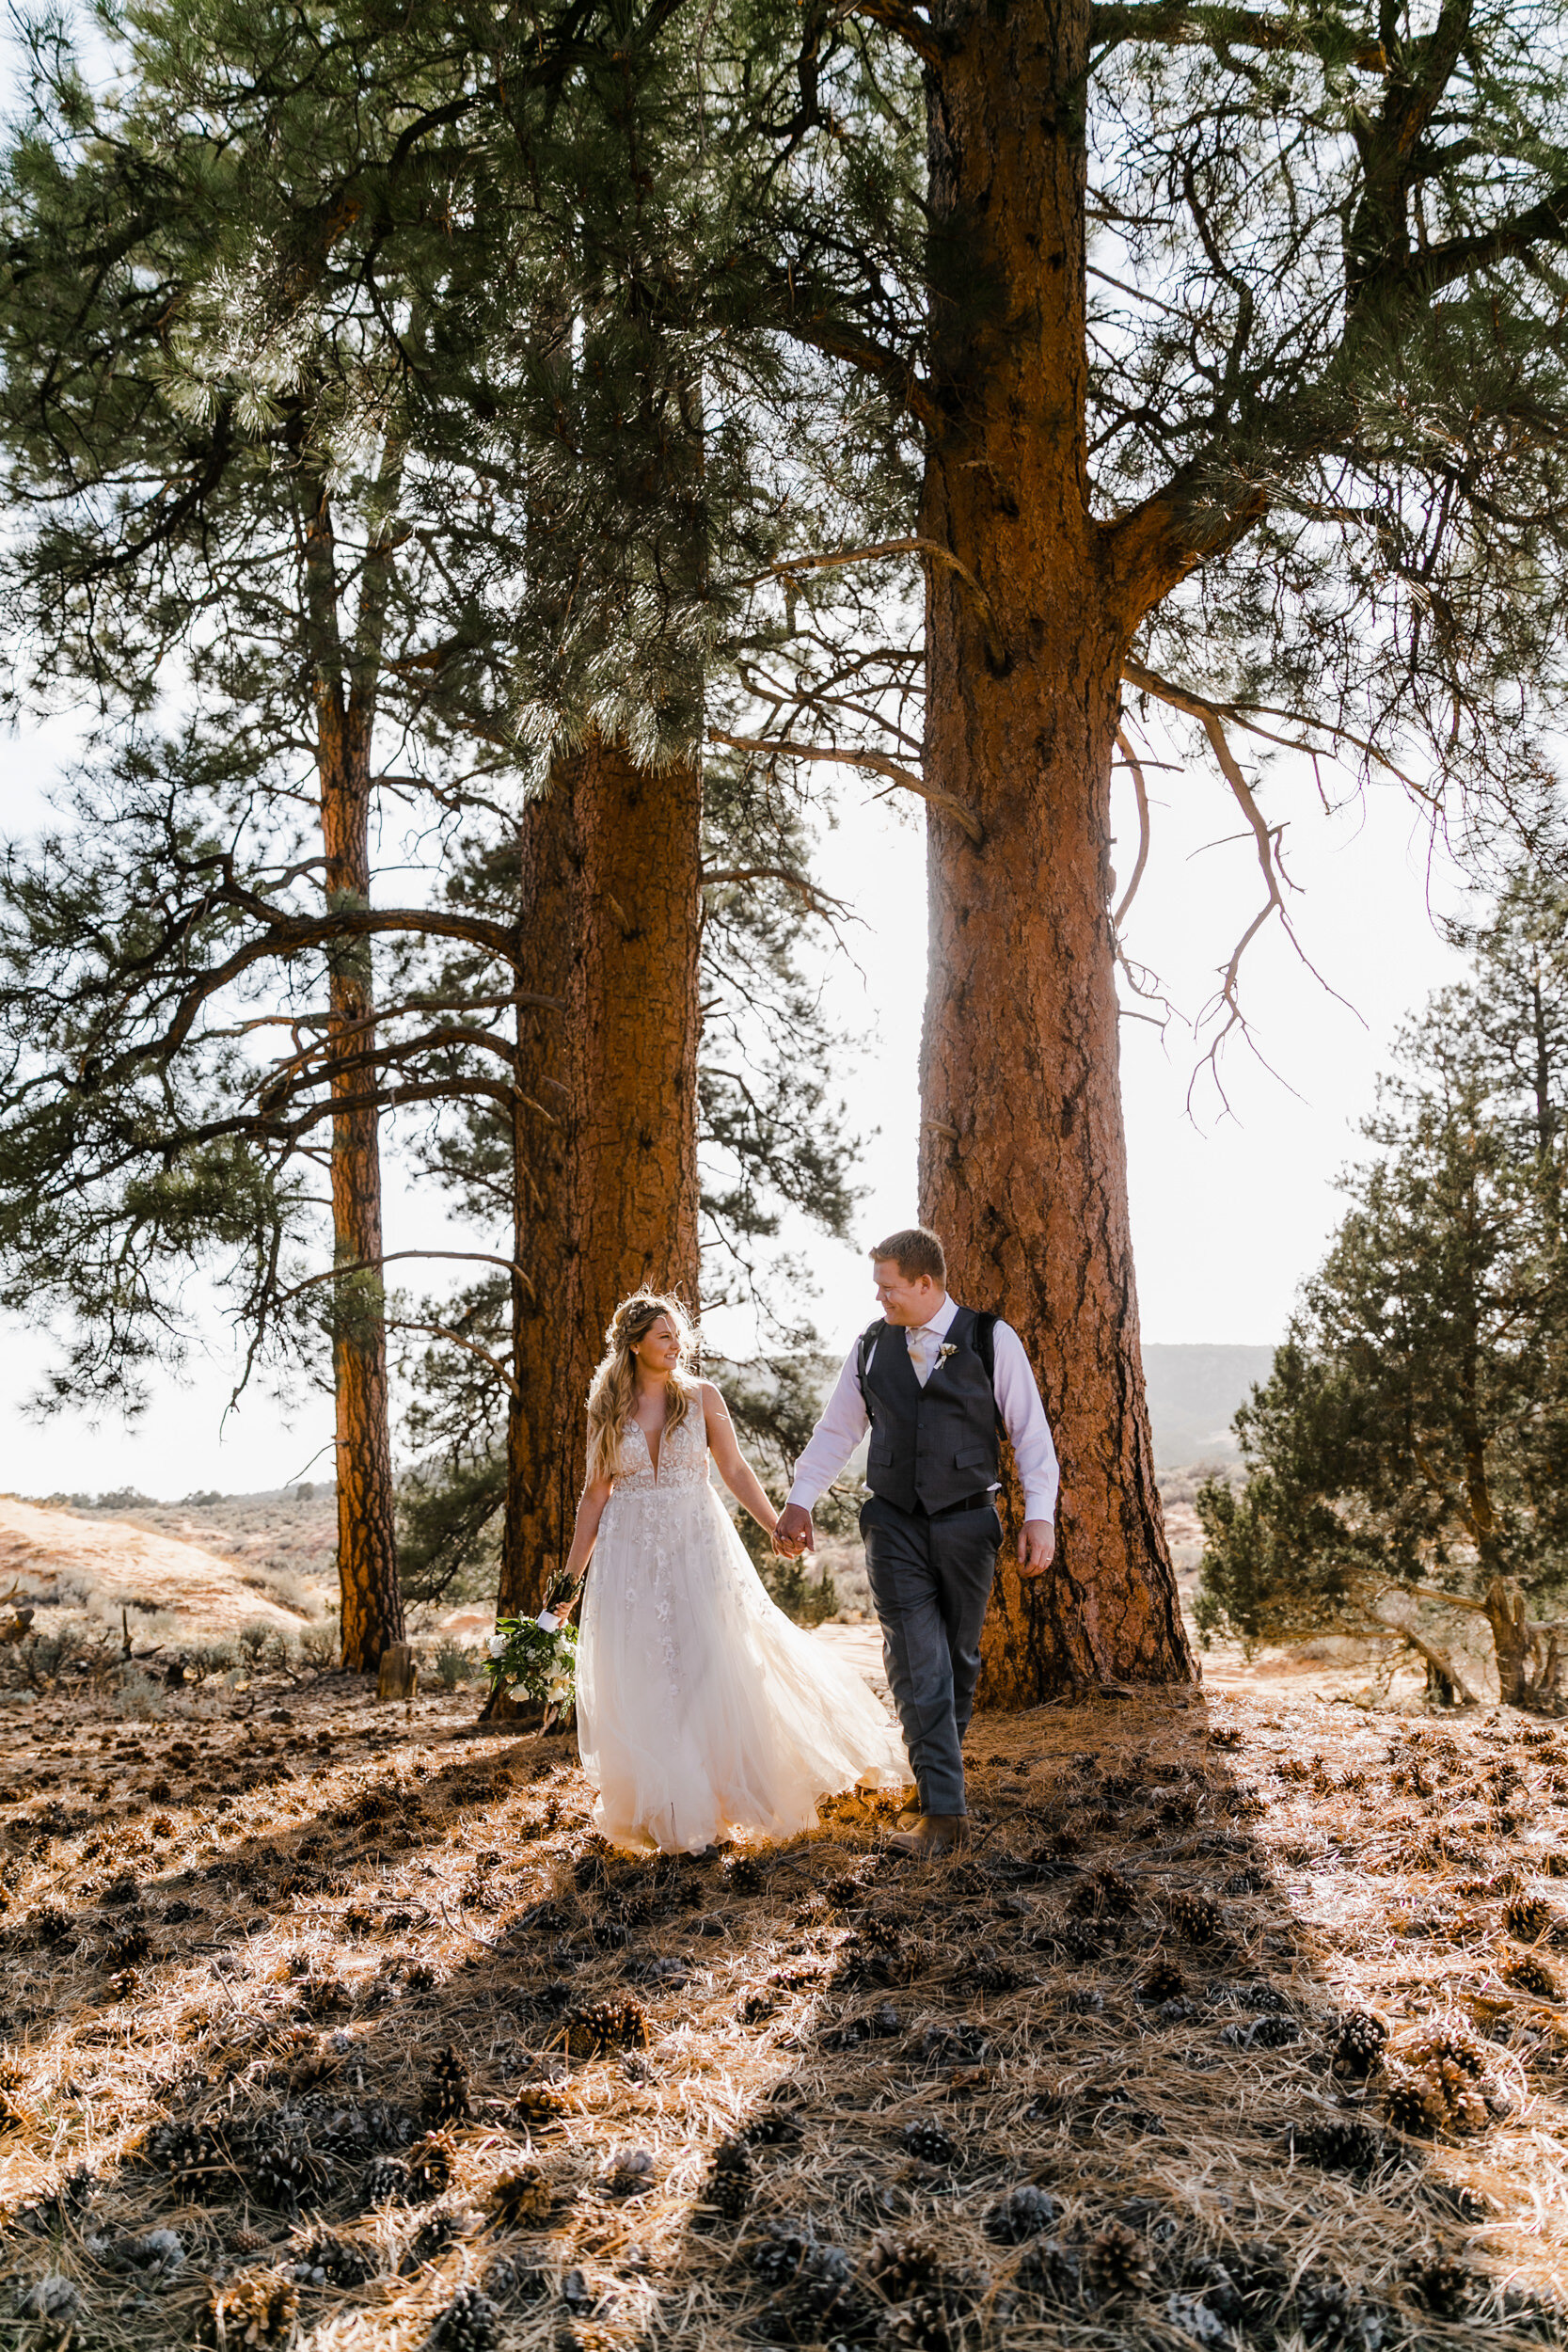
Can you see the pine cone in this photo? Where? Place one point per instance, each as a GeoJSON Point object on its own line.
{"type": "Point", "coordinates": [1023, 2214]}
{"type": "Point", "coordinates": [523, 2200]}
{"type": "Point", "coordinates": [1360, 2043]}
{"type": "Point", "coordinates": [731, 2179]}
{"type": "Point", "coordinates": [1530, 1973]}
{"type": "Point", "coordinates": [50, 1924]}
{"type": "Point", "coordinates": [614, 2024]}
{"type": "Point", "coordinates": [901, 2264]}
{"type": "Point", "coordinates": [277, 2164]}
{"type": "Point", "coordinates": [430, 2162]}
{"type": "Point", "coordinates": [1440, 2284]}
{"type": "Point", "coordinates": [1446, 2042]}
{"type": "Point", "coordinates": [775, 2127]}
{"type": "Point", "coordinates": [1049, 2267]}
{"type": "Point", "coordinates": [337, 2261]}
{"type": "Point", "coordinates": [1528, 1917]}
{"type": "Point", "coordinates": [385, 2181]}
{"type": "Point", "coordinates": [994, 1976]}
{"type": "Point", "coordinates": [776, 2256]}
{"type": "Point", "coordinates": [1105, 1891]}
{"type": "Point", "coordinates": [470, 2322]}
{"type": "Point", "coordinates": [1196, 1916]}
{"type": "Point", "coordinates": [930, 2143]}
{"type": "Point", "coordinates": [446, 2097]}
{"type": "Point", "coordinates": [630, 2172]}
{"type": "Point", "coordinates": [190, 2154]}
{"type": "Point", "coordinates": [1414, 2104]}
{"type": "Point", "coordinates": [128, 1945]}
{"type": "Point", "coordinates": [1333, 2314]}
{"type": "Point", "coordinates": [1114, 2261]}
{"type": "Point", "coordinates": [537, 2107]}
{"type": "Point", "coordinates": [506, 2282]}
{"type": "Point", "coordinates": [744, 1877]}
{"type": "Point", "coordinates": [919, 2326]}
{"type": "Point", "coordinates": [820, 2283]}
{"type": "Point", "coordinates": [1162, 1981]}
{"type": "Point", "coordinates": [261, 2308]}
{"type": "Point", "coordinates": [1340, 2143]}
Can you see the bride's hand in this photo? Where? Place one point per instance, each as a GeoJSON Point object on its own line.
{"type": "Point", "coordinates": [792, 1532]}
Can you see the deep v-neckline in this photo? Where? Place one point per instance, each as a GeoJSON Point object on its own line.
{"type": "Point", "coordinates": [654, 1459]}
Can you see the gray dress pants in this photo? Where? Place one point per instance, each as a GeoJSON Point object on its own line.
{"type": "Point", "coordinates": [930, 1580]}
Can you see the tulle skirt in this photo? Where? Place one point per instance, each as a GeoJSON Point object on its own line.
{"type": "Point", "coordinates": [704, 1712]}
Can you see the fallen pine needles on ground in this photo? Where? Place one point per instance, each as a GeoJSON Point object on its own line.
{"type": "Point", "coordinates": [1238, 2024]}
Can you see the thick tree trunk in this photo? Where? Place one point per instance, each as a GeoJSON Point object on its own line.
{"type": "Point", "coordinates": [1022, 1164]}
{"type": "Point", "coordinates": [607, 1200]}
{"type": "Point", "coordinates": [367, 1536]}
{"type": "Point", "coordinates": [1507, 1614]}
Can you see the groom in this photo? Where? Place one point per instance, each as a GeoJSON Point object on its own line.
{"type": "Point", "coordinates": [932, 1381]}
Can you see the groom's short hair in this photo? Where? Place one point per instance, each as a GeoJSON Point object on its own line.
{"type": "Point", "coordinates": [914, 1251]}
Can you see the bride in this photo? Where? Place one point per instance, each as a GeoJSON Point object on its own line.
{"type": "Point", "coordinates": [703, 1712]}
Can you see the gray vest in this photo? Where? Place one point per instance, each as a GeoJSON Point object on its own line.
{"type": "Point", "coordinates": [931, 1446]}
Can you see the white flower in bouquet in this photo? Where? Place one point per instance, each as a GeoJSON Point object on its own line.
{"type": "Point", "coordinates": [495, 1644]}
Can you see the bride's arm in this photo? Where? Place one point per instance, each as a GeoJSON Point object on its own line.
{"type": "Point", "coordinates": [584, 1534]}
{"type": "Point", "coordinates": [734, 1469]}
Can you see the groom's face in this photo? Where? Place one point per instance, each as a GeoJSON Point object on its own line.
{"type": "Point", "coordinates": [902, 1301]}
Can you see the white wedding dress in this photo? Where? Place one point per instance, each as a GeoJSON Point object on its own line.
{"type": "Point", "coordinates": [703, 1712]}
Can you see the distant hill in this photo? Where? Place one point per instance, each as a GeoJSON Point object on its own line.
{"type": "Point", "coordinates": [1193, 1392]}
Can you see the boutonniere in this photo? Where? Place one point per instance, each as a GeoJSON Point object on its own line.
{"type": "Point", "coordinates": [948, 1347]}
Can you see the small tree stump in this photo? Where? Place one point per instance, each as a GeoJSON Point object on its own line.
{"type": "Point", "coordinates": [398, 1677]}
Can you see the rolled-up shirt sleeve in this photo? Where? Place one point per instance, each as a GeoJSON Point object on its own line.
{"type": "Point", "coordinates": [1017, 1401]}
{"type": "Point", "coordinates": [843, 1425]}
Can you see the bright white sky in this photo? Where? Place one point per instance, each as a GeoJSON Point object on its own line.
{"type": "Point", "coordinates": [1229, 1209]}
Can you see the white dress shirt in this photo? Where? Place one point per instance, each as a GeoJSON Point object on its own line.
{"type": "Point", "coordinates": [845, 1420]}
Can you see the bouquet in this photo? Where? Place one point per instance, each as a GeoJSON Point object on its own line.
{"type": "Point", "coordinates": [536, 1655]}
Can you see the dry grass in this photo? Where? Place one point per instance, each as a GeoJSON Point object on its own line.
{"type": "Point", "coordinates": [360, 2014]}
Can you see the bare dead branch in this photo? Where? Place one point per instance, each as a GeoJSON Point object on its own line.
{"type": "Point", "coordinates": [1141, 791]}
{"type": "Point", "coordinates": [848, 756]}
{"type": "Point", "coordinates": [366, 1265]}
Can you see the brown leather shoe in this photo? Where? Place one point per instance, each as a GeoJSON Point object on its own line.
{"type": "Point", "coordinates": [933, 1835]}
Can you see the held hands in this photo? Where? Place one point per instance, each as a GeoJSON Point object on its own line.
{"type": "Point", "coordinates": [793, 1533]}
{"type": "Point", "coordinates": [1037, 1547]}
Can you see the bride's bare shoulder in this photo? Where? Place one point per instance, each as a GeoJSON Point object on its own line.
{"type": "Point", "coordinates": [713, 1401]}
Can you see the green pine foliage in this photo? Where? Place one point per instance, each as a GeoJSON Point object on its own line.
{"type": "Point", "coordinates": [1404, 1458]}
{"type": "Point", "coordinates": [334, 442]}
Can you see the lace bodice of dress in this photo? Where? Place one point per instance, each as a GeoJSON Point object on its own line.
{"type": "Point", "coordinates": [682, 1456]}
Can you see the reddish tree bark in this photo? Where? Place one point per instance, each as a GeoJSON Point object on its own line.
{"type": "Point", "coordinates": [371, 1602]}
{"type": "Point", "coordinates": [1022, 1159]}
{"type": "Point", "coordinates": [606, 1134]}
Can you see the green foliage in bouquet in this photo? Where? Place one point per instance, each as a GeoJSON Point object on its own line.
{"type": "Point", "coordinates": [525, 1657]}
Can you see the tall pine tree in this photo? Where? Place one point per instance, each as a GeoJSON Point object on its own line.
{"type": "Point", "coordinates": [1226, 345]}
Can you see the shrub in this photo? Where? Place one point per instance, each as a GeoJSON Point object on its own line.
{"type": "Point", "coordinates": [453, 1665]}
{"type": "Point", "coordinates": [140, 1698]}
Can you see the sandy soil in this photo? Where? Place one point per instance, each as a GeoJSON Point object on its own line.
{"type": "Point", "coordinates": [62, 1556]}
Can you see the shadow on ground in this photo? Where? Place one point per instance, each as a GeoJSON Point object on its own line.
{"type": "Point", "coordinates": [1225, 2031]}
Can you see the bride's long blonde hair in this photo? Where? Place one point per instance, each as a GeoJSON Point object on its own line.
{"type": "Point", "coordinates": [612, 1391]}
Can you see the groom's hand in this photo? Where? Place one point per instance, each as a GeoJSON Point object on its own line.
{"type": "Point", "coordinates": [794, 1532]}
{"type": "Point", "coordinates": [1037, 1547]}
